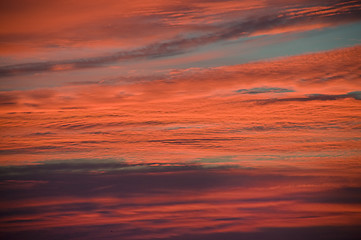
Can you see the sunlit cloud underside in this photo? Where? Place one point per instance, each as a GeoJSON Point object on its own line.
{"type": "Point", "coordinates": [180, 120]}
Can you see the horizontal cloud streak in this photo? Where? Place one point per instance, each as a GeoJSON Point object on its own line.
{"type": "Point", "coordinates": [130, 196]}
{"type": "Point", "coordinates": [264, 90]}
{"type": "Point", "coordinates": [184, 44]}
{"type": "Point", "coordinates": [314, 97]}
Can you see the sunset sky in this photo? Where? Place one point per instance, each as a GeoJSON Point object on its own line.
{"type": "Point", "coordinates": [192, 119]}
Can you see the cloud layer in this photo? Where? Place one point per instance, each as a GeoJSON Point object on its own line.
{"type": "Point", "coordinates": [174, 200]}
{"type": "Point", "coordinates": [160, 119]}
{"type": "Point", "coordinates": [259, 21]}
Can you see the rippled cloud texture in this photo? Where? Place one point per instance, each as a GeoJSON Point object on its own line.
{"type": "Point", "coordinates": [197, 119]}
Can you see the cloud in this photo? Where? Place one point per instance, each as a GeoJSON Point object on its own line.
{"type": "Point", "coordinates": [320, 72]}
{"type": "Point", "coordinates": [34, 150]}
{"type": "Point", "coordinates": [292, 168]}
{"type": "Point", "coordinates": [8, 99]}
{"type": "Point", "coordinates": [41, 133]}
{"type": "Point", "coordinates": [195, 141]}
{"type": "Point", "coordinates": [119, 231]}
{"type": "Point", "coordinates": [259, 90]}
{"type": "Point", "coordinates": [312, 233]}
{"type": "Point", "coordinates": [106, 194]}
{"type": "Point", "coordinates": [134, 118]}
{"type": "Point", "coordinates": [312, 97]}
{"type": "Point", "coordinates": [118, 179]}
{"type": "Point", "coordinates": [185, 43]}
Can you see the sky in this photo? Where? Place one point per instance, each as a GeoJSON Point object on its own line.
{"type": "Point", "coordinates": [202, 119]}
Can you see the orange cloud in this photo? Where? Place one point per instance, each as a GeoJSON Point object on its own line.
{"type": "Point", "coordinates": [247, 151]}
{"type": "Point", "coordinates": [257, 108]}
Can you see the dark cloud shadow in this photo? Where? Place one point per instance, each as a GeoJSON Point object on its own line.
{"type": "Point", "coordinates": [120, 231]}
{"type": "Point", "coordinates": [260, 90]}
{"type": "Point", "coordinates": [91, 179]}
{"type": "Point", "coordinates": [312, 97]}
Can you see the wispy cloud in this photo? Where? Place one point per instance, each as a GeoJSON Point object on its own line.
{"type": "Point", "coordinates": [109, 194]}
{"type": "Point", "coordinates": [259, 90]}
{"type": "Point", "coordinates": [314, 97]}
{"type": "Point", "coordinates": [135, 118]}
{"type": "Point", "coordinates": [183, 43]}
{"type": "Point", "coordinates": [178, 123]}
